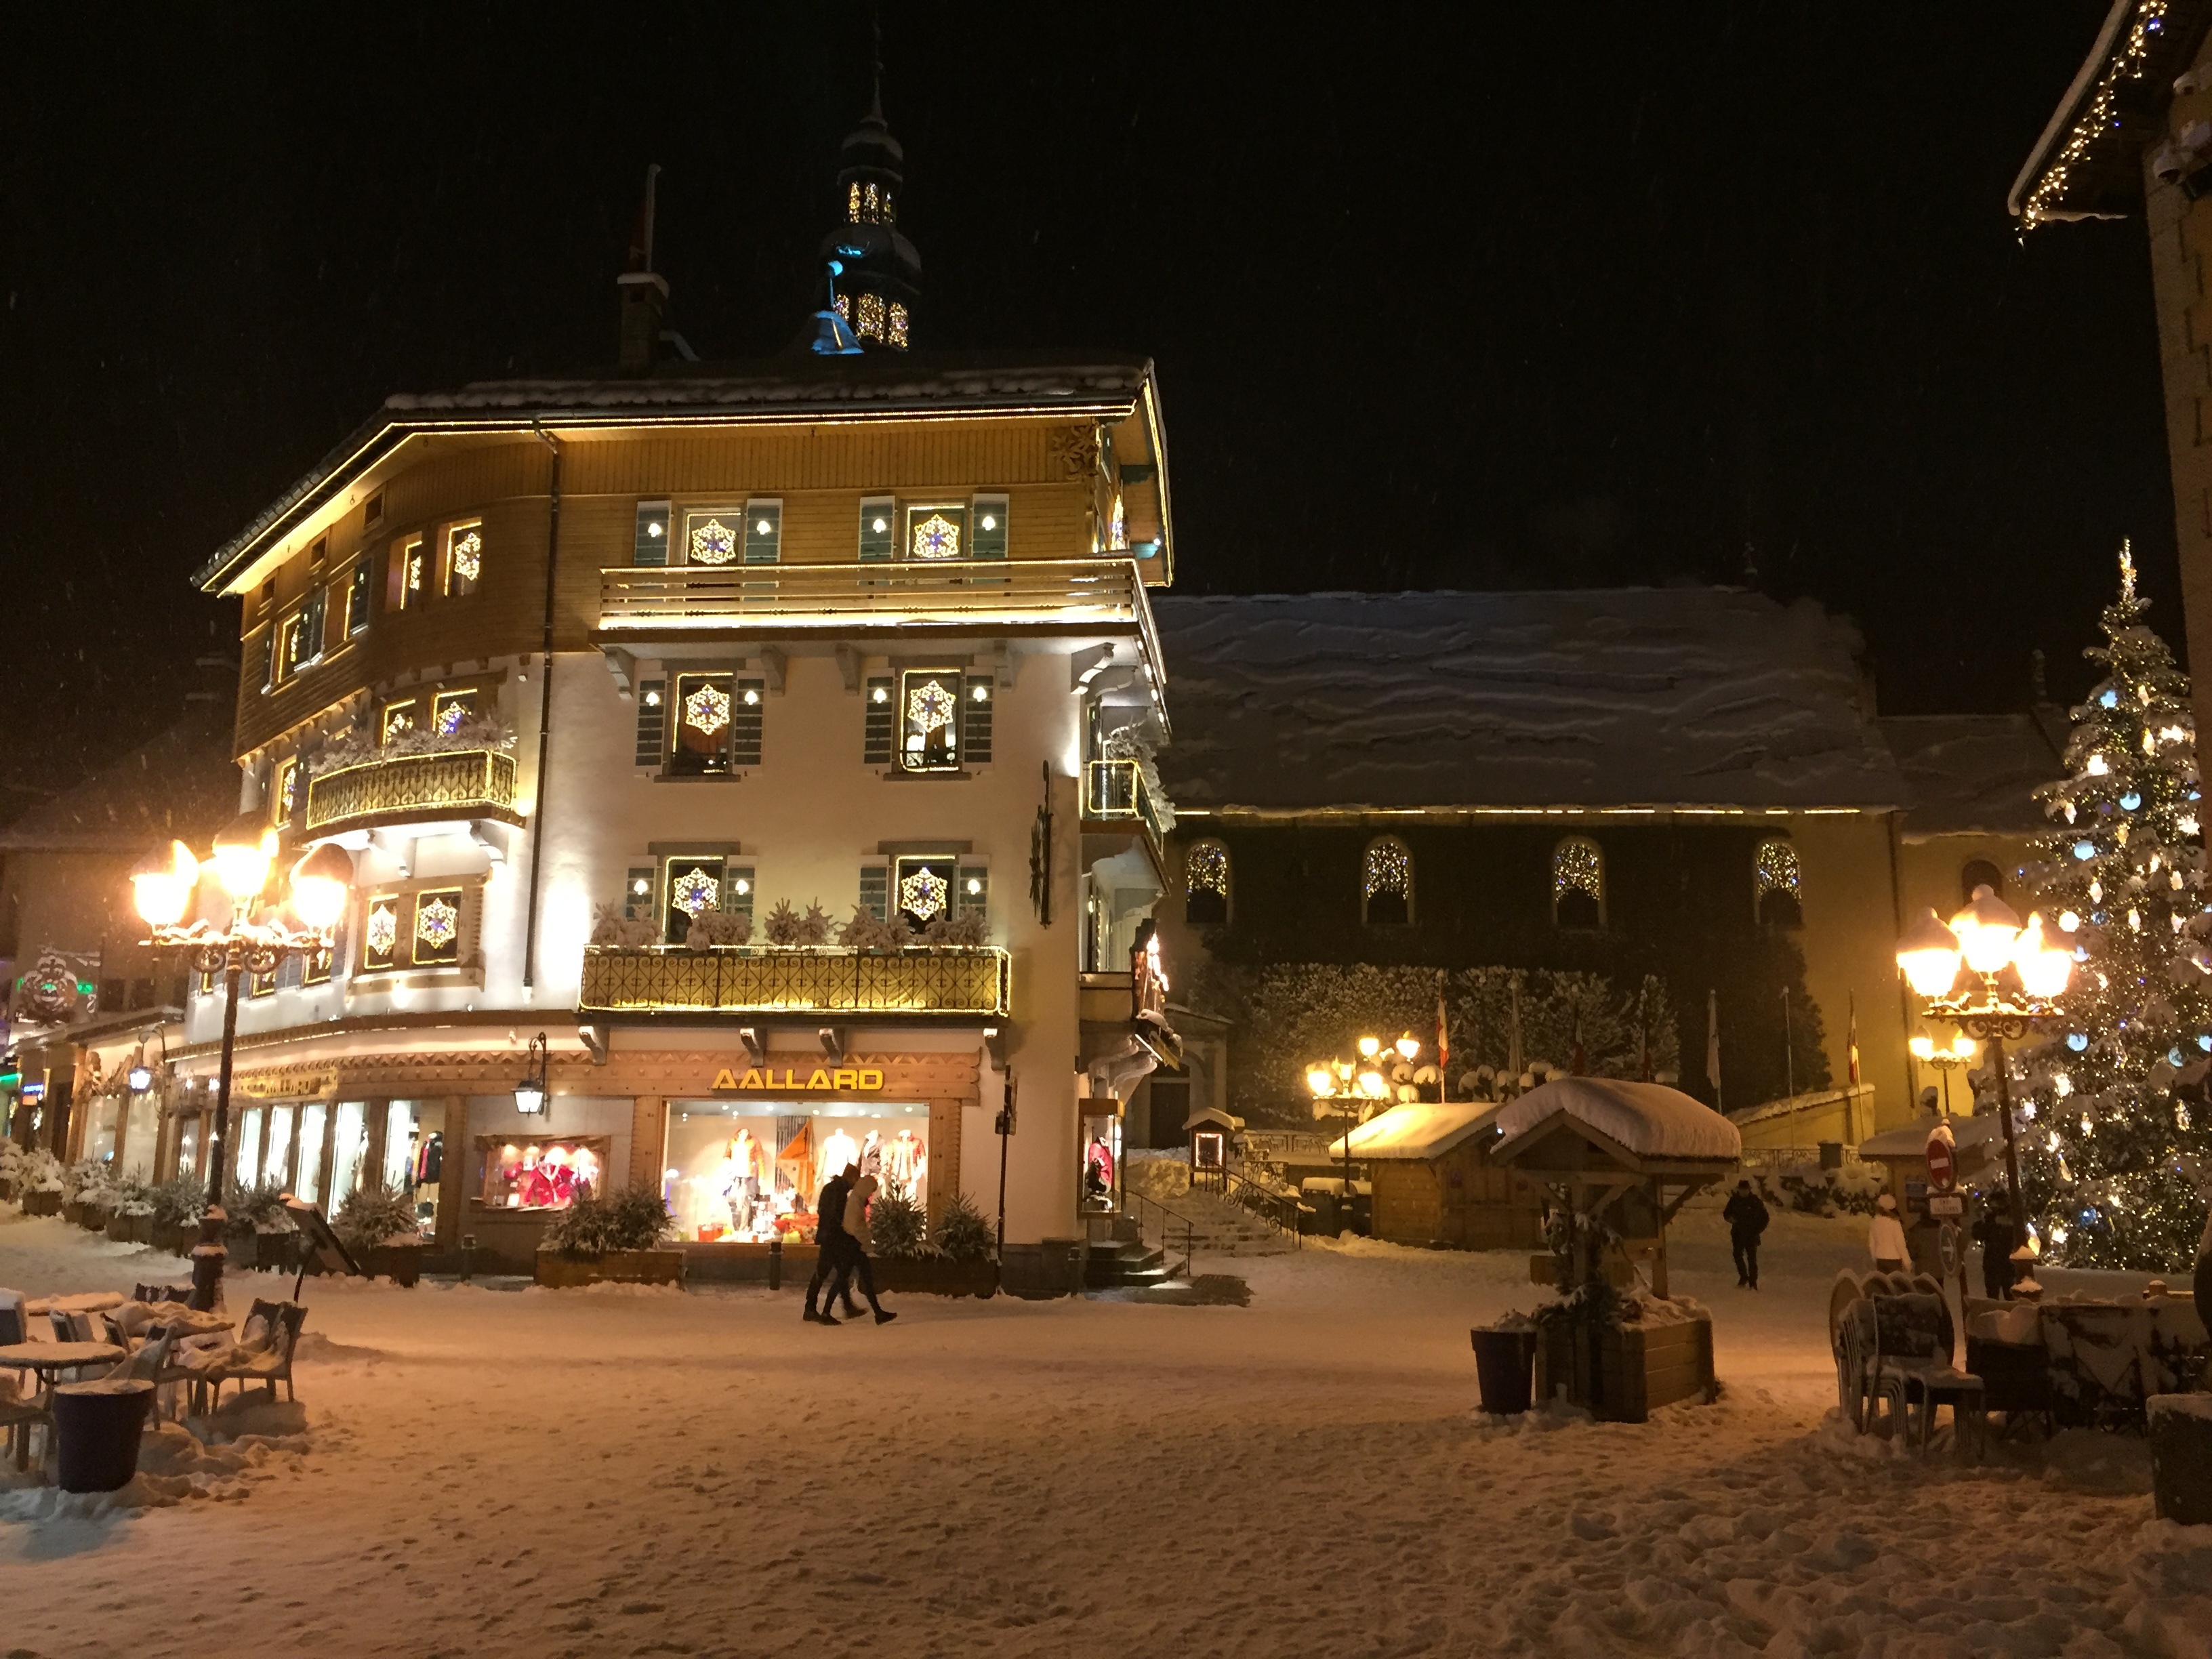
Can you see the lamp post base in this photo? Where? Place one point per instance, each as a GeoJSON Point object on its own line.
{"type": "Point", "coordinates": [208, 1256]}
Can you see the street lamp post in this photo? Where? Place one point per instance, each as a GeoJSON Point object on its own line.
{"type": "Point", "coordinates": [256, 939]}
{"type": "Point", "coordinates": [1352, 1089]}
{"type": "Point", "coordinates": [1946, 1060]}
{"type": "Point", "coordinates": [2012, 978]}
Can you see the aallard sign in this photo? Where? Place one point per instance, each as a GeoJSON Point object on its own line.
{"type": "Point", "coordinates": [858, 1079]}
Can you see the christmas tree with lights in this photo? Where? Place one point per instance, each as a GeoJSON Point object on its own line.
{"type": "Point", "coordinates": [2118, 1102]}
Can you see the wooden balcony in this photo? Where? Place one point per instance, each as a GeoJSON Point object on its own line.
{"type": "Point", "coordinates": [1057, 595]}
{"type": "Point", "coordinates": [466, 783]}
{"type": "Point", "coordinates": [799, 980]}
{"type": "Point", "coordinates": [1116, 797]}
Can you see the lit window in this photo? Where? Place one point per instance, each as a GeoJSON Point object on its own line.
{"type": "Point", "coordinates": [1775, 877]}
{"type": "Point", "coordinates": [398, 720]}
{"type": "Point", "coordinates": [465, 548]}
{"type": "Point", "coordinates": [877, 539]}
{"type": "Point", "coordinates": [871, 309]}
{"type": "Point", "coordinates": [450, 710]}
{"type": "Point", "coordinates": [379, 934]}
{"type": "Point", "coordinates": [1386, 883]}
{"type": "Point", "coordinates": [923, 888]}
{"type": "Point", "coordinates": [929, 705]}
{"type": "Point", "coordinates": [934, 534]}
{"type": "Point", "coordinates": [695, 886]}
{"type": "Point", "coordinates": [285, 798]}
{"type": "Point", "coordinates": [763, 531]}
{"type": "Point", "coordinates": [1577, 883]}
{"type": "Point", "coordinates": [437, 927]}
{"type": "Point", "coordinates": [706, 718]}
{"type": "Point", "coordinates": [1117, 526]}
{"type": "Point", "coordinates": [649, 538]}
{"type": "Point", "coordinates": [412, 558]}
{"type": "Point", "coordinates": [853, 203]}
{"type": "Point", "coordinates": [1206, 883]}
{"type": "Point", "coordinates": [895, 325]}
{"type": "Point", "coordinates": [712, 542]}
{"type": "Point", "coordinates": [637, 894]}
{"type": "Point", "coordinates": [356, 615]}
{"type": "Point", "coordinates": [988, 540]}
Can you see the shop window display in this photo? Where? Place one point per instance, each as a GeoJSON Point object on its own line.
{"type": "Point", "coordinates": [748, 1171]}
{"type": "Point", "coordinates": [549, 1174]}
{"type": "Point", "coordinates": [1099, 1181]}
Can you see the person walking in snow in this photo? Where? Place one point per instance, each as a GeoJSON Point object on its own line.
{"type": "Point", "coordinates": [1886, 1239]}
{"type": "Point", "coordinates": [854, 1251]}
{"type": "Point", "coordinates": [1993, 1232]}
{"type": "Point", "coordinates": [829, 1239]}
{"type": "Point", "coordinates": [1746, 1218]}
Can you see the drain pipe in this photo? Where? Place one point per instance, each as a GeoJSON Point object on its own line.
{"type": "Point", "coordinates": [545, 713]}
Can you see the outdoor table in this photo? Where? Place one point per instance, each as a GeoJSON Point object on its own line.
{"type": "Point", "coordinates": [47, 1358]}
{"type": "Point", "coordinates": [77, 1302]}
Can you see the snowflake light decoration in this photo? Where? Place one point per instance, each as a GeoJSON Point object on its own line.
{"type": "Point", "coordinates": [450, 718]}
{"type": "Point", "coordinates": [694, 890]}
{"type": "Point", "coordinates": [707, 710]}
{"type": "Point", "coordinates": [468, 557]}
{"type": "Point", "coordinates": [383, 930]}
{"type": "Point", "coordinates": [399, 721]}
{"type": "Point", "coordinates": [713, 542]}
{"type": "Point", "coordinates": [923, 893]}
{"type": "Point", "coordinates": [937, 537]}
{"type": "Point", "coordinates": [437, 922]}
{"type": "Point", "coordinates": [930, 706]}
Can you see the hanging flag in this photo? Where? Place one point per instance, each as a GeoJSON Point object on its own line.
{"type": "Point", "coordinates": [1713, 1044]}
{"type": "Point", "coordinates": [1854, 1041]}
{"type": "Point", "coordinates": [1444, 1045]}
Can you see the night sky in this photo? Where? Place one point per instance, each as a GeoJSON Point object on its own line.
{"type": "Point", "coordinates": [1476, 297]}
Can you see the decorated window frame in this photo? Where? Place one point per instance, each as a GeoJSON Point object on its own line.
{"type": "Point", "coordinates": [462, 557]}
{"type": "Point", "coordinates": [410, 575]}
{"type": "Point", "coordinates": [690, 882]}
{"type": "Point", "coordinates": [929, 722]}
{"type": "Point", "coordinates": [1578, 884]}
{"type": "Point", "coordinates": [1386, 883]}
{"type": "Point", "coordinates": [1206, 877]}
{"type": "Point", "coordinates": [1777, 884]}
{"type": "Point", "coordinates": [429, 924]}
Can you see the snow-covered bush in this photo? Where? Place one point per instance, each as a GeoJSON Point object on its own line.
{"type": "Point", "coordinates": [964, 1235]}
{"type": "Point", "coordinates": [866, 933]}
{"type": "Point", "coordinates": [356, 745]}
{"type": "Point", "coordinates": [14, 1167]}
{"type": "Point", "coordinates": [43, 1172]}
{"type": "Point", "coordinates": [635, 1219]}
{"type": "Point", "coordinates": [969, 927]}
{"type": "Point", "coordinates": [178, 1201]}
{"type": "Point", "coordinates": [1812, 1190]}
{"type": "Point", "coordinates": [255, 1209]}
{"type": "Point", "coordinates": [613, 930]}
{"type": "Point", "coordinates": [376, 1214]}
{"type": "Point", "coordinates": [134, 1197]}
{"type": "Point", "coordinates": [87, 1182]}
{"type": "Point", "coordinates": [786, 926]}
{"type": "Point", "coordinates": [711, 927]}
{"type": "Point", "coordinates": [898, 1227]}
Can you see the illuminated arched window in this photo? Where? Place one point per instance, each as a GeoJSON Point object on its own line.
{"type": "Point", "coordinates": [1206, 883]}
{"type": "Point", "coordinates": [1386, 883]}
{"type": "Point", "coordinates": [1776, 878]}
{"type": "Point", "coordinates": [1980, 873]}
{"type": "Point", "coordinates": [1577, 883]}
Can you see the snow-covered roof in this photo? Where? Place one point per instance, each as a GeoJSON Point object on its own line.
{"type": "Point", "coordinates": [1614, 697]}
{"type": "Point", "coordinates": [1647, 1119]}
{"type": "Point", "coordinates": [1972, 774]}
{"type": "Point", "coordinates": [1416, 1130]}
{"type": "Point", "coordinates": [1911, 1141]}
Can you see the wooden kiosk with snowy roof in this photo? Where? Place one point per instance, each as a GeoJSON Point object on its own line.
{"type": "Point", "coordinates": [1599, 1137]}
{"type": "Point", "coordinates": [1436, 1182]}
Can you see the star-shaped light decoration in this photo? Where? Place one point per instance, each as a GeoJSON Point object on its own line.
{"type": "Point", "coordinates": [923, 893]}
{"type": "Point", "coordinates": [399, 719]}
{"type": "Point", "coordinates": [468, 557]}
{"type": "Point", "coordinates": [937, 537]}
{"type": "Point", "coordinates": [694, 890]}
{"type": "Point", "coordinates": [437, 922]}
{"type": "Point", "coordinates": [383, 929]}
{"type": "Point", "coordinates": [450, 718]}
{"type": "Point", "coordinates": [713, 542]}
{"type": "Point", "coordinates": [707, 710]}
{"type": "Point", "coordinates": [929, 706]}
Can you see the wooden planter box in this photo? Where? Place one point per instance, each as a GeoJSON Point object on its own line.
{"type": "Point", "coordinates": [129, 1229]}
{"type": "Point", "coordinates": [242, 1251]}
{"type": "Point", "coordinates": [170, 1236]}
{"type": "Point", "coordinates": [614, 1268]}
{"type": "Point", "coordinates": [400, 1263]}
{"type": "Point", "coordinates": [1639, 1368]}
{"type": "Point", "coordinates": [94, 1220]}
{"type": "Point", "coordinates": [42, 1203]}
{"type": "Point", "coordinates": [934, 1276]}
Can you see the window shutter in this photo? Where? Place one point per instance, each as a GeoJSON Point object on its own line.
{"type": "Point", "coordinates": [268, 661]}
{"type": "Point", "coordinates": [972, 891]}
{"type": "Point", "coordinates": [652, 723]}
{"type": "Point", "coordinates": [650, 544]}
{"type": "Point", "coordinates": [638, 901]}
{"type": "Point", "coordinates": [876, 738]}
{"type": "Point", "coordinates": [745, 705]}
{"type": "Point", "coordinates": [878, 527]}
{"type": "Point", "coordinates": [988, 535]}
{"type": "Point", "coordinates": [876, 890]}
{"type": "Point", "coordinates": [311, 627]}
{"type": "Point", "coordinates": [763, 533]}
{"type": "Point", "coordinates": [357, 599]}
{"type": "Point", "coordinates": [977, 693]}
{"type": "Point", "coordinates": [738, 890]}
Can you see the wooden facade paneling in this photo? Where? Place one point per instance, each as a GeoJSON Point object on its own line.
{"type": "Point", "coordinates": [1457, 1199]}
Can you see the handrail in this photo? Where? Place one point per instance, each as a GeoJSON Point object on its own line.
{"type": "Point", "coordinates": [1167, 1235]}
{"type": "Point", "coordinates": [1261, 1201]}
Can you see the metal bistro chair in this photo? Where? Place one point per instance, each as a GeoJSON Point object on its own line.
{"type": "Point", "coordinates": [273, 1364]}
{"type": "Point", "coordinates": [1911, 1365]}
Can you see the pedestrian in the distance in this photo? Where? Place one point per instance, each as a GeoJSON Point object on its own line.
{"type": "Point", "coordinates": [1885, 1238]}
{"type": "Point", "coordinates": [829, 1239]}
{"type": "Point", "coordinates": [1745, 1215]}
{"type": "Point", "coordinates": [1993, 1232]}
{"type": "Point", "coordinates": [858, 1241]}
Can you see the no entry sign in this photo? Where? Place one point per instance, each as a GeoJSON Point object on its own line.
{"type": "Point", "coordinates": [1943, 1160]}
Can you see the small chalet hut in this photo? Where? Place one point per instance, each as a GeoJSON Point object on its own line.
{"type": "Point", "coordinates": [1434, 1182]}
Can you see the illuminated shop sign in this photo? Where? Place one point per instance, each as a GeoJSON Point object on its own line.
{"type": "Point", "coordinates": [861, 1079]}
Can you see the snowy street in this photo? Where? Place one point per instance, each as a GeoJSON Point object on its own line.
{"type": "Point", "coordinates": [598, 1473]}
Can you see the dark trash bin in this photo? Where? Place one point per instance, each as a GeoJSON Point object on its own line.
{"type": "Point", "coordinates": [96, 1429]}
{"type": "Point", "coordinates": [1502, 1363]}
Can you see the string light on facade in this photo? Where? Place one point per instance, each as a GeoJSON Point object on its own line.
{"type": "Point", "coordinates": [2101, 117]}
{"type": "Point", "coordinates": [1389, 869]}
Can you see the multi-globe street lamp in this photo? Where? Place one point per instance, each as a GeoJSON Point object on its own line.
{"type": "Point", "coordinates": [260, 931]}
{"type": "Point", "coordinates": [1945, 1058]}
{"type": "Point", "coordinates": [1353, 1090]}
{"type": "Point", "coordinates": [1993, 978]}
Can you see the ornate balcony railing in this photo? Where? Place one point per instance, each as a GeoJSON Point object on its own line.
{"type": "Point", "coordinates": [965, 594]}
{"type": "Point", "coordinates": [465, 783]}
{"type": "Point", "coordinates": [1117, 789]}
{"type": "Point", "coordinates": [766, 979]}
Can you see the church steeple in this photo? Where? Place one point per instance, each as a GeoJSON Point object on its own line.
{"type": "Point", "coordinates": [881, 284]}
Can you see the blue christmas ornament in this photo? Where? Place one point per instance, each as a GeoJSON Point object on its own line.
{"type": "Point", "coordinates": [2174, 1055]}
{"type": "Point", "coordinates": [2081, 953]}
{"type": "Point", "coordinates": [2085, 850]}
{"type": "Point", "coordinates": [2098, 917]}
{"type": "Point", "coordinates": [2130, 800]}
{"type": "Point", "coordinates": [2111, 700]}
{"type": "Point", "coordinates": [2076, 1040]}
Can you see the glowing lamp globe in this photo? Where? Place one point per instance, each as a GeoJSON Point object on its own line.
{"type": "Point", "coordinates": [243, 853]}
{"type": "Point", "coordinates": [1370, 1047]}
{"type": "Point", "coordinates": [1407, 1046]}
{"type": "Point", "coordinates": [2043, 971]}
{"type": "Point", "coordinates": [1322, 1081]}
{"type": "Point", "coordinates": [161, 887]}
{"type": "Point", "coordinates": [1962, 1047]}
{"type": "Point", "coordinates": [1929, 956]}
{"type": "Point", "coordinates": [1923, 1047]}
{"type": "Point", "coordinates": [1374, 1085]}
{"type": "Point", "coordinates": [320, 884]}
{"type": "Point", "coordinates": [140, 1078]}
{"type": "Point", "coordinates": [1988, 931]}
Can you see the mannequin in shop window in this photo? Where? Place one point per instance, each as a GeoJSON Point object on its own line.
{"type": "Point", "coordinates": [1098, 1168]}
{"type": "Point", "coordinates": [838, 1150]}
{"type": "Point", "coordinates": [872, 1154]}
{"type": "Point", "coordinates": [1148, 982]}
{"type": "Point", "coordinates": [905, 1165]}
{"type": "Point", "coordinates": [748, 1167]}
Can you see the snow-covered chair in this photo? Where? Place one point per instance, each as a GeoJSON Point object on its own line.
{"type": "Point", "coordinates": [1911, 1365]}
{"type": "Point", "coordinates": [263, 1354]}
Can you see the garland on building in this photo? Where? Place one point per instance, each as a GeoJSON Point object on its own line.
{"type": "Point", "coordinates": [2117, 1105]}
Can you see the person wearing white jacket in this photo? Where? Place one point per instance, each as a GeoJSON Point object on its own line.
{"type": "Point", "coordinates": [1886, 1239]}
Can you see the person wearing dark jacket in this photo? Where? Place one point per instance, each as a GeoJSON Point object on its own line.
{"type": "Point", "coordinates": [1993, 1232]}
{"type": "Point", "coordinates": [829, 1236]}
{"type": "Point", "coordinates": [1747, 1219]}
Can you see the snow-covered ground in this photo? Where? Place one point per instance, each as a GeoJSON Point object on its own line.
{"type": "Point", "coordinates": [599, 1473]}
